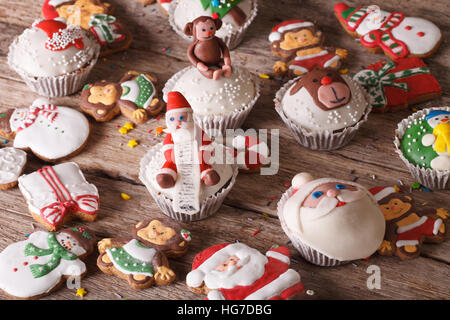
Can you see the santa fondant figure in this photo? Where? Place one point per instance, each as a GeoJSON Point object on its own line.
{"type": "Point", "coordinates": [183, 132]}
{"type": "Point", "coordinates": [398, 36]}
{"type": "Point", "coordinates": [439, 120]}
{"type": "Point", "coordinates": [235, 271]}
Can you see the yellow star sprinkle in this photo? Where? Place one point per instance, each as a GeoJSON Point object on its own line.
{"type": "Point", "coordinates": [132, 143]}
{"type": "Point", "coordinates": [343, 71]}
{"type": "Point", "coordinates": [123, 130]}
{"type": "Point", "coordinates": [125, 196]}
{"type": "Point", "coordinates": [81, 292]}
{"type": "Point", "coordinates": [128, 126]}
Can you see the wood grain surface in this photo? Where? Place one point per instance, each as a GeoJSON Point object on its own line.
{"type": "Point", "coordinates": [113, 167]}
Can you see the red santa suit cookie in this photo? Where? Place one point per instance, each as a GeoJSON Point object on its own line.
{"type": "Point", "coordinates": [408, 226]}
{"type": "Point", "coordinates": [235, 271]}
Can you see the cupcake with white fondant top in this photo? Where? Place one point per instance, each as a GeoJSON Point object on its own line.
{"type": "Point", "coordinates": [237, 15]}
{"type": "Point", "coordinates": [53, 58]}
{"type": "Point", "coordinates": [322, 108]}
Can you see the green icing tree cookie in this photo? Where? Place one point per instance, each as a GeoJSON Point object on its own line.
{"type": "Point", "coordinates": [411, 145]}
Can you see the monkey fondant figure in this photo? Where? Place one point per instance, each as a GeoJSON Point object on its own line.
{"type": "Point", "coordinates": [208, 53]}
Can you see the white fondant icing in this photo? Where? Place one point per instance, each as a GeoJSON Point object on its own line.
{"type": "Point", "coordinates": [12, 161]}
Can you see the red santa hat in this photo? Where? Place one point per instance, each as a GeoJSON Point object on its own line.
{"type": "Point", "coordinates": [382, 192]}
{"type": "Point", "coordinates": [176, 102]}
{"type": "Point", "coordinates": [284, 26]}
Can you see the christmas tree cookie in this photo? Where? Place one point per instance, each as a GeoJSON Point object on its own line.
{"type": "Point", "coordinates": [39, 265]}
{"type": "Point", "coordinates": [142, 260]}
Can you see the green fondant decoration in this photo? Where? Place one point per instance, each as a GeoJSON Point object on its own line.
{"type": "Point", "coordinates": [221, 7]}
{"type": "Point", "coordinates": [56, 251]}
{"type": "Point", "coordinates": [127, 262]}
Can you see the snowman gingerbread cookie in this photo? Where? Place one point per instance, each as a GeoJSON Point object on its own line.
{"type": "Point", "coordinates": [58, 194]}
{"type": "Point", "coordinates": [51, 132]}
{"type": "Point", "coordinates": [135, 96]}
{"type": "Point", "coordinates": [37, 266]}
{"type": "Point", "coordinates": [12, 163]}
{"type": "Point", "coordinates": [142, 261]}
{"type": "Point", "coordinates": [393, 33]}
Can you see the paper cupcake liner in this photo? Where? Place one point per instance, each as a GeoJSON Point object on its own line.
{"type": "Point", "coordinates": [430, 178]}
{"type": "Point", "coordinates": [208, 207]}
{"type": "Point", "coordinates": [57, 86]}
{"type": "Point", "coordinates": [307, 252]}
{"type": "Point", "coordinates": [231, 40]}
{"type": "Point", "coordinates": [214, 124]}
{"type": "Point", "coordinates": [322, 140]}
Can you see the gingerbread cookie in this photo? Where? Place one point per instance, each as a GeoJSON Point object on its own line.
{"type": "Point", "coordinates": [393, 33]}
{"type": "Point", "coordinates": [76, 12]}
{"type": "Point", "coordinates": [58, 194]}
{"type": "Point", "coordinates": [408, 226]}
{"type": "Point", "coordinates": [300, 46]}
{"type": "Point", "coordinates": [135, 96]}
{"type": "Point", "coordinates": [51, 132]}
{"type": "Point", "coordinates": [235, 271]}
{"type": "Point", "coordinates": [163, 234]}
{"type": "Point", "coordinates": [37, 266]}
{"type": "Point", "coordinates": [12, 163]}
{"type": "Point", "coordinates": [394, 86]}
{"type": "Point", "coordinates": [112, 35]}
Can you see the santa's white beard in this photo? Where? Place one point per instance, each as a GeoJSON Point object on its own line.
{"type": "Point", "coordinates": [352, 231]}
{"type": "Point", "coordinates": [183, 134]}
{"type": "Point", "coordinates": [249, 268]}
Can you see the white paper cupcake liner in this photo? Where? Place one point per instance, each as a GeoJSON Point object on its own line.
{"type": "Point", "coordinates": [308, 253]}
{"type": "Point", "coordinates": [214, 124]}
{"type": "Point", "coordinates": [57, 86]}
{"type": "Point", "coordinates": [231, 40]}
{"type": "Point", "coordinates": [208, 207]}
{"type": "Point", "coordinates": [322, 140]}
{"type": "Point", "coordinates": [430, 178]}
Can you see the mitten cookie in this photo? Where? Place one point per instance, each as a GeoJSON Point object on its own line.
{"type": "Point", "coordinates": [163, 234]}
{"type": "Point", "coordinates": [394, 86]}
{"type": "Point", "coordinates": [235, 271]}
{"type": "Point", "coordinates": [12, 163]}
{"type": "Point", "coordinates": [59, 194]}
{"type": "Point", "coordinates": [37, 266]}
{"type": "Point", "coordinates": [408, 226]}
{"type": "Point", "coordinates": [51, 132]}
{"type": "Point", "coordinates": [300, 46]}
{"type": "Point", "coordinates": [141, 265]}
{"type": "Point", "coordinates": [393, 33]}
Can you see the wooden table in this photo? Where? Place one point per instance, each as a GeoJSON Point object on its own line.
{"type": "Point", "coordinates": [251, 205]}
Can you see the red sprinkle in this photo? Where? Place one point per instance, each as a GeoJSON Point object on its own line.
{"type": "Point", "coordinates": [287, 184]}
{"type": "Point", "coordinates": [117, 126]}
{"type": "Point", "coordinates": [106, 137]}
{"type": "Point", "coordinates": [255, 233]}
{"type": "Point", "coordinates": [158, 117]}
{"type": "Point", "coordinates": [273, 198]}
{"type": "Point", "coordinates": [215, 15]}
{"type": "Point", "coordinates": [35, 258]}
{"type": "Point", "coordinates": [15, 269]}
{"type": "Point", "coordinates": [25, 263]}
{"type": "Point", "coordinates": [408, 28]}
{"type": "Point", "coordinates": [150, 130]}
{"type": "Point", "coordinates": [420, 34]}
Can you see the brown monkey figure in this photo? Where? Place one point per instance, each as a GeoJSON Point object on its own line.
{"type": "Point", "coordinates": [208, 53]}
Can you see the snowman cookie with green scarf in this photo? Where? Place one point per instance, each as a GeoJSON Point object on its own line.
{"type": "Point", "coordinates": [36, 267]}
{"type": "Point", "coordinates": [142, 261]}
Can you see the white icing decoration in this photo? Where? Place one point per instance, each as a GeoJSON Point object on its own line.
{"type": "Point", "coordinates": [51, 139]}
{"type": "Point", "coordinates": [187, 10]}
{"type": "Point", "coordinates": [302, 110]}
{"type": "Point", "coordinates": [276, 287]}
{"type": "Point", "coordinates": [217, 97]}
{"type": "Point", "coordinates": [56, 3]}
{"type": "Point", "coordinates": [144, 254]}
{"type": "Point", "coordinates": [12, 161]}
{"type": "Point", "coordinates": [21, 283]}
{"type": "Point", "coordinates": [39, 194]}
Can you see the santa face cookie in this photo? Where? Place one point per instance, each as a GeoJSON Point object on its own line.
{"type": "Point", "coordinates": [75, 12]}
{"type": "Point", "coordinates": [235, 271]}
{"type": "Point", "coordinates": [395, 86]}
{"type": "Point", "coordinates": [300, 46]}
{"type": "Point", "coordinates": [51, 132]}
{"type": "Point", "coordinates": [393, 33]}
{"type": "Point", "coordinates": [37, 266]}
{"type": "Point", "coordinates": [12, 163]}
{"type": "Point", "coordinates": [59, 194]}
{"type": "Point", "coordinates": [408, 226]}
{"type": "Point", "coordinates": [164, 235]}
{"type": "Point", "coordinates": [331, 221]}
{"type": "Point", "coordinates": [135, 96]}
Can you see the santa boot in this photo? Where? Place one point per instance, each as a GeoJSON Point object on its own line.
{"type": "Point", "coordinates": [165, 180]}
{"type": "Point", "coordinates": [211, 178]}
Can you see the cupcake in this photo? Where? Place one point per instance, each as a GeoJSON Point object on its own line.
{"type": "Point", "coordinates": [54, 59]}
{"type": "Point", "coordinates": [330, 221]}
{"type": "Point", "coordinates": [422, 142]}
{"type": "Point", "coordinates": [237, 15]}
{"type": "Point", "coordinates": [322, 108]}
{"type": "Point", "coordinates": [186, 180]}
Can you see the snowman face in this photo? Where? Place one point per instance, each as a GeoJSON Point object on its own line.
{"type": "Point", "coordinates": [442, 118]}
{"type": "Point", "coordinates": [18, 118]}
{"type": "Point", "coordinates": [372, 21]}
{"type": "Point", "coordinates": [69, 243]}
